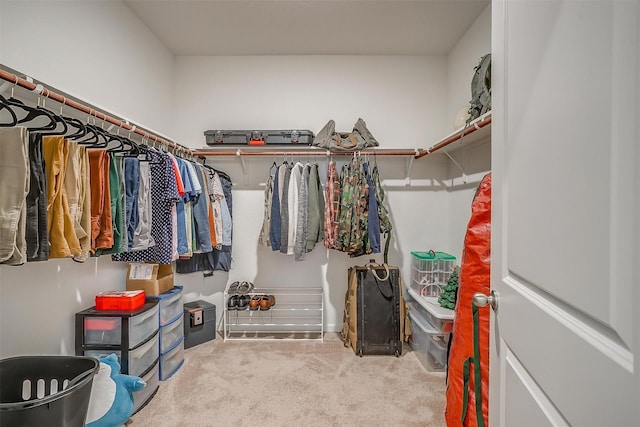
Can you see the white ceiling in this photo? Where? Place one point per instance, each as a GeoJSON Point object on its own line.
{"type": "Point", "coordinates": [308, 27]}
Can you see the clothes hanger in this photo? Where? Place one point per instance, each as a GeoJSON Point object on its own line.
{"type": "Point", "coordinates": [14, 118]}
{"type": "Point", "coordinates": [58, 120]}
{"type": "Point", "coordinates": [33, 113]}
{"type": "Point", "coordinates": [76, 124]}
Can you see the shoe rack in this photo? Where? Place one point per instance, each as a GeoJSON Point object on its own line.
{"type": "Point", "coordinates": [297, 314]}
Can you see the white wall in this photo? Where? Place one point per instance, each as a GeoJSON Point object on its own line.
{"type": "Point", "coordinates": [100, 52]}
{"type": "Point", "coordinates": [475, 43]}
{"type": "Point", "coordinates": [475, 158]}
{"type": "Point", "coordinates": [401, 106]}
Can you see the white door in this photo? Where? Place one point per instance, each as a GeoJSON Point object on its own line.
{"type": "Point", "coordinates": [566, 207]}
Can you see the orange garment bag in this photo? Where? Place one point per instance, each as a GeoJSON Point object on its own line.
{"type": "Point", "coordinates": [468, 380]}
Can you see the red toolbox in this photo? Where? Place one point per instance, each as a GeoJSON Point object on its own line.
{"type": "Point", "coordinates": [120, 300]}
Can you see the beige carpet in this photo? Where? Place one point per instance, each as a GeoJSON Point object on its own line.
{"type": "Point", "coordinates": [268, 384]}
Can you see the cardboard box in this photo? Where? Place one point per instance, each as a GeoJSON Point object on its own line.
{"type": "Point", "coordinates": [153, 279]}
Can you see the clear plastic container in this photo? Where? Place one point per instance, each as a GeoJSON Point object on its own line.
{"type": "Point", "coordinates": [170, 304]}
{"type": "Point", "coordinates": [429, 344]}
{"type": "Point", "coordinates": [430, 272]}
{"type": "Point", "coordinates": [142, 397]}
{"type": "Point", "coordinates": [108, 329]}
{"type": "Point", "coordinates": [439, 317]}
{"type": "Point", "coordinates": [171, 361]}
{"type": "Point", "coordinates": [170, 334]}
{"type": "Point", "coordinates": [140, 359]}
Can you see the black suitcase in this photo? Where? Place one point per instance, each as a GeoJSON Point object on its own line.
{"type": "Point", "coordinates": [375, 311]}
{"type": "Point", "coordinates": [258, 137]}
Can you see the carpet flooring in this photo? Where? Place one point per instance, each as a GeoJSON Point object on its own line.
{"type": "Point", "coordinates": [282, 384]}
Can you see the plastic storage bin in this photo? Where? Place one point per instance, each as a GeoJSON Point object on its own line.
{"type": "Point", "coordinates": [170, 334]}
{"type": "Point", "coordinates": [430, 271]}
{"type": "Point", "coordinates": [46, 390]}
{"type": "Point", "coordinates": [439, 317]}
{"type": "Point", "coordinates": [171, 361]}
{"type": "Point", "coordinates": [120, 300]}
{"type": "Point", "coordinates": [170, 304]}
{"type": "Point", "coordinates": [142, 397]}
{"type": "Point", "coordinates": [429, 344]}
{"type": "Point", "coordinates": [128, 328]}
{"type": "Point", "coordinates": [136, 361]}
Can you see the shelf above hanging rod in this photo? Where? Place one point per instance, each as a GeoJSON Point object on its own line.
{"type": "Point", "coordinates": [480, 123]}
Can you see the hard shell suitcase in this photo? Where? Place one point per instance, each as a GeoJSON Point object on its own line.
{"type": "Point", "coordinates": [375, 316]}
{"type": "Point", "coordinates": [258, 137]}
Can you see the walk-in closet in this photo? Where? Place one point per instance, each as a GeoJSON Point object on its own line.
{"type": "Point", "coordinates": [164, 74]}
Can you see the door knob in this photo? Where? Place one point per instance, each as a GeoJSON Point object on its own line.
{"type": "Point", "coordinates": [480, 300]}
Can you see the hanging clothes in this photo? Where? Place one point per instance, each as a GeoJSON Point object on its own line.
{"type": "Point", "coordinates": [117, 192]}
{"type": "Point", "coordinates": [284, 209]}
{"type": "Point", "coordinates": [315, 210]}
{"type": "Point", "coordinates": [62, 236]}
{"type": "Point", "coordinates": [292, 207]}
{"type": "Point", "coordinates": [218, 189]}
{"type": "Point", "coordinates": [37, 233]}
{"type": "Point", "coordinates": [304, 200]}
{"type": "Point", "coordinates": [265, 235]}
{"type": "Point", "coordinates": [302, 220]}
{"type": "Point", "coordinates": [142, 237]}
{"type": "Point", "coordinates": [101, 222]}
{"type": "Point", "coordinates": [332, 207]}
{"type": "Point", "coordinates": [373, 221]}
{"type": "Point", "coordinates": [132, 188]}
{"type": "Point", "coordinates": [164, 193]}
{"type": "Point", "coordinates": [14, 175]}
{"type": "Point", "coordinates": [274, 225]}
{"type": "Point", "coordinates": [201, 215]}
{"type": "Point", "coordinates": [78, 190]}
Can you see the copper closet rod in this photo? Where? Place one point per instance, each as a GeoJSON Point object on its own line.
{"type": "Point", "coordinates": [12, 78]}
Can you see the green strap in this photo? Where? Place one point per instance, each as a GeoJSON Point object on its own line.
{"type": "Point", "coordinates": [477, 374]}
{"type": "Point", "coordinates": [465, 395]}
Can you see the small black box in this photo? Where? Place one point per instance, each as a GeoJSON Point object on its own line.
{"type": "Point", "coordinates": [199, 323]}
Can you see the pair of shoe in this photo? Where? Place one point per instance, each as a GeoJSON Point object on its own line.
{"type": "Point", "coordinates": [262, 302]}
{"type": "Point", "coordinates": [238, 302]}
{"type": "Point", "coordinates": [240, 288]}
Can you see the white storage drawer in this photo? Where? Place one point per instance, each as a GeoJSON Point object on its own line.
{"type": "Point", "coordinates": [429, 344]}
{"type": "Point", "coordinates": [170, 334]}
{"type": "Point", "coordinates": [110, 330]}
{"type": "Point", "coordinates": [170, 304]}
{"type": "Point", "coordinates": [439, 317]}
{"type": "Point", "coordinates": [142, 357]}
{"type": "Point", "coordinates": [138, 359]}
{"type": "Point", "coordinates": [171, 361]}
{"type": "Point", "coordinates": [152, 378]}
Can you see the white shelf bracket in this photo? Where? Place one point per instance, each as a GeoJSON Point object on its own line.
{"type": "Point", "coordinates": [239, 155]}
{"type": "Point", "coordinates": [408, 165]}
{"type": "Point", "coordinates": [464, 175]}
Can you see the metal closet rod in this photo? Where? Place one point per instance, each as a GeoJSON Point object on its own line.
{"type": "Point", "coordinates": [40, 89]}
{"type": "Point", "coordinates": [310, 152]}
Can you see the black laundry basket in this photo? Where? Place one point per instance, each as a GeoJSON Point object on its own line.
{"type": "Point", "coordinates": [46, 390]}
